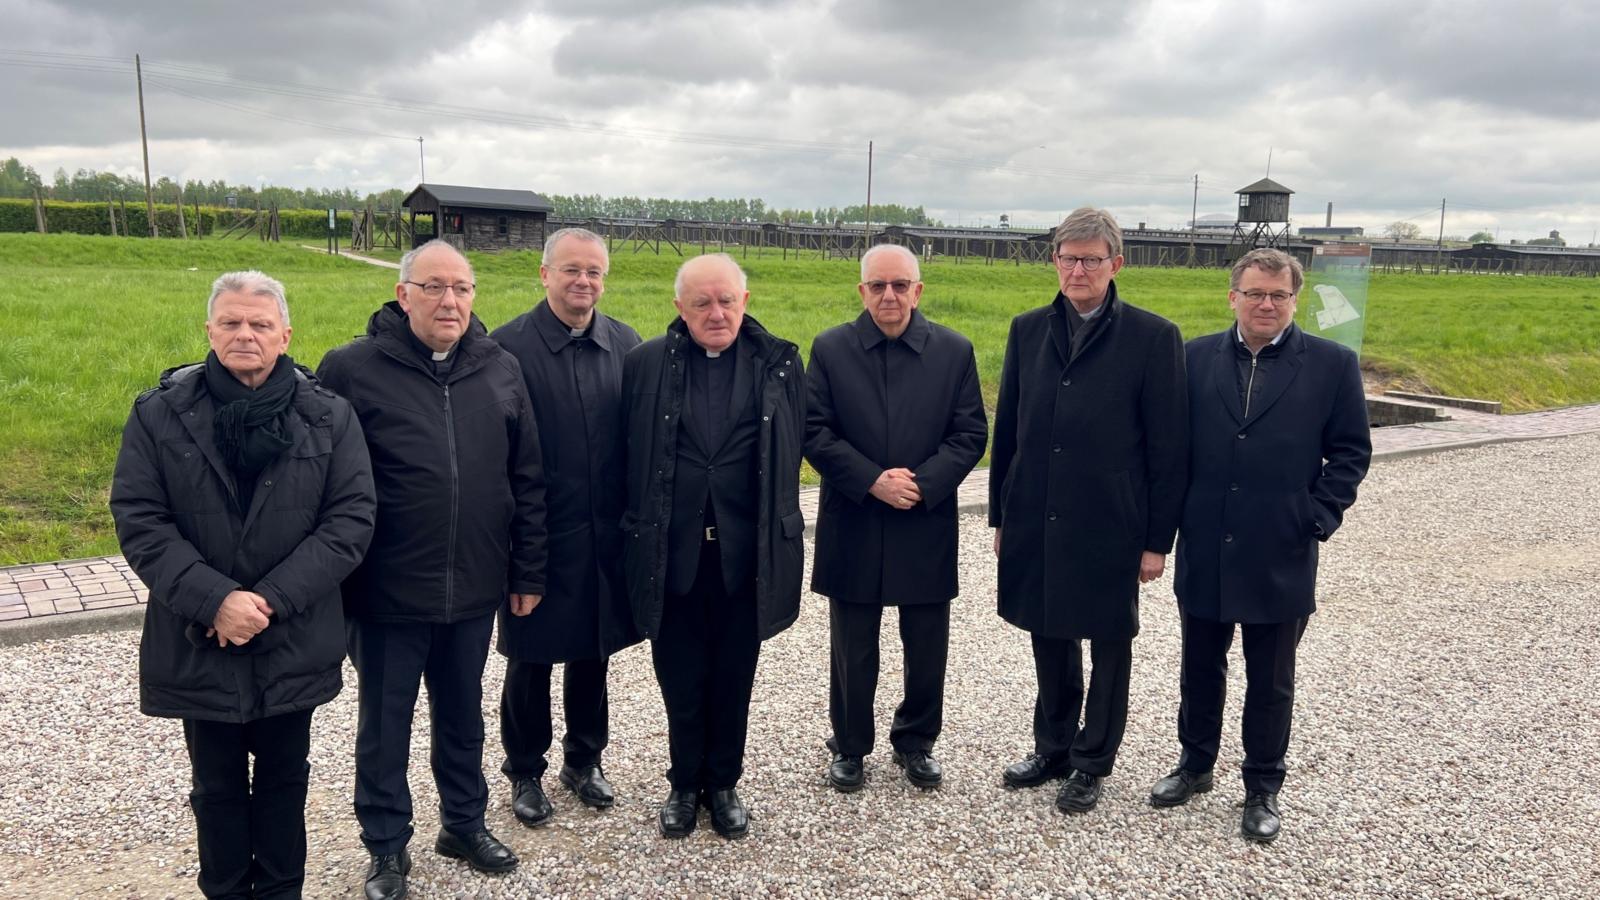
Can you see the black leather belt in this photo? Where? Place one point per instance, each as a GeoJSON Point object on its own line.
{"type": "Point", "coordinates": [711, 532]}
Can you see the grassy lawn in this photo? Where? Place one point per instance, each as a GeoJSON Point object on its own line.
{"type": "Point", "coordinates": [89, 322]}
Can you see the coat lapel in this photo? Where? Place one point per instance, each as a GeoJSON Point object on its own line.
{"type": "Point", "coordinates": [1058, 333]}
{"type": "Point", "coordinates": [1223, 376]}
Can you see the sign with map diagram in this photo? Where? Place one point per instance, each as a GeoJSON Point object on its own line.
{"type": "Point", "coordinates": [1333, 302]}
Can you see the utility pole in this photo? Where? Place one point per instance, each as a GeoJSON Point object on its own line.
{"type": "Point", "coordinates": [1194, 213]}
{"type": "Point", "coordinates": [422, 161]}
{"type": "Point", "coordinates": [144, 143]}
{"type": "Point", "coordinates": [866, 236]}
{"type": "Point", "coordinates": [1439, 253]}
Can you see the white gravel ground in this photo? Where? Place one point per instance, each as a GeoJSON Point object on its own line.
{"type": "Point", "coordinates": [1446, 732]}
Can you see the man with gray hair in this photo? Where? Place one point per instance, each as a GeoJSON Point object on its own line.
{"type": "Point", "coordinates": [1278, 427]}
{"type": "Point", "coordinates": [714, 412]}
{"type": "Point", "coordinates": [1085, 487]}
{"type": "Point", "coordinates": [242, 496]}
{"type": "Point", "coordinates": [894, 422]}
{"type": "Point", "coordinates": [461, 530]}
{"type": "Point", "coordinates": [571, 358]}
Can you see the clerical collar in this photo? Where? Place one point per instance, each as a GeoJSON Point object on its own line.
{"type": "Point", "coordinates": [713, 354]}
{"type": "Point", "coordinates": [441, 355]}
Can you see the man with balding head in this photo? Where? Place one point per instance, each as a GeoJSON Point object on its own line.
{"type": "Point", "coordinates": [894, 422]}
{"type": "Point", "coordinates": [460, 530]}
{"type": "Point", "coordinates": [714, 414]}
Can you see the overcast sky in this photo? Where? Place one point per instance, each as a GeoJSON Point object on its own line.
{"type": "Point", "coordinates": [975, 108]}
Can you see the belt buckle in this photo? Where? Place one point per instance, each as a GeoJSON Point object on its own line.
{"type": "Point", "coordinates": [711, 532]}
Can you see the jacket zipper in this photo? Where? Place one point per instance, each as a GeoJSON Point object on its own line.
{"type": "Point", "coordinates": [1249, 387]}
{"type": "Point", "coordinates": [455, 502]}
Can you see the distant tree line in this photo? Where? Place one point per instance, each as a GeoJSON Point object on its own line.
{"type": "Point", "coordinates": [87, 186]}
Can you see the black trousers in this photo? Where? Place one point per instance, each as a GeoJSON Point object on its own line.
{"type": "Point", "coordinates": [1091, 747]}
{"type": "Point", "coordinates": [705, 660]}
{"type": "Point", "coordinates": [251, 825]}
{"type": "Point", "coordinates": [853, 675]}
{"type": "Point", "coordinates": [525, 727]}
{"type": "Point", "coordinates": [1268, 696]}
{"type": "Point", "coordinates": [390, 660]}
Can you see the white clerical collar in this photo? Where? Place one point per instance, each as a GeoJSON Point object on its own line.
{"type": "Point", "coordinates": [713, 354]}
{"type": "Point", "coordinates": [441, 355]}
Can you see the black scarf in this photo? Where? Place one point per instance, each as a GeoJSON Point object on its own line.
{"type": "Point", "coordinates": [249, 428]}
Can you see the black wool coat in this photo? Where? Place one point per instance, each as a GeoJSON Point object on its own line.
{"type": "Point", "coordinates": [653, 381]}
{"type": "Point", "coordinates": [1087, 468]}
{"type": "Point", "coordinates": [876, 404]}
{"type": "Point", "coordinates": [178, 520]}
{"type": "Point", "coordinates": [576, 389]}
{"type": "Point", "coordinates": [461, 495]}
{"type": "Point", "coordinates": [1265, 490]}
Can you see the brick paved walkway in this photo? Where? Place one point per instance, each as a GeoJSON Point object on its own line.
{"type": "Point", "coordinates": [81, 594]}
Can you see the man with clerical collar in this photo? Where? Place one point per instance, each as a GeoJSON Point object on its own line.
{"type": "Point", "coordinates": [894, 422]}
{"type": "Point", "coordinates": [714, 412]}
{"type": "Point", "coordinates": [571, 359]}
{"type": "Point", "coordinates": [1085, 487]}
{"type": "Point", "coordinates": [242, 495]}
{"type": "Point", "coordinates": [1279, 443]}
{"type": "Point", "coordinates": [461, 530]}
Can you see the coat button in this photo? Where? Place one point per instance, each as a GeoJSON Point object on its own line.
{"type": "Point", "coordinates": [1241, 435]}
{"type": "Point", "coordinates": [1052, 517]}
{"type": "Point", "coordinates": [1055, 448]}
{"type": "Point", "coordinates": [187, 454]}
{"type": "Point", "coordinates": [267, 483]}
{"type": "Point", "coordinates": [1233, 487]}
{"type": "Point", "coordinates": [1066, 381]}
{"type": "Point", "coordinates": [1227, 539]}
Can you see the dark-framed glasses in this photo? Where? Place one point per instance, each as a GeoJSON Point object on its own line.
{"type": "Point", "coordinates": [434, 290]}
{"type": "Point", "coordinates": [899, 285]}
{"type": "Point", "coordinates": [1277, 298]}
{"type": "Point", "coordinates": [1090, 263]}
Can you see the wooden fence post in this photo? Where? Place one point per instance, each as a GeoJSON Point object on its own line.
{"type": "Point", "coordinates": [38, 212]}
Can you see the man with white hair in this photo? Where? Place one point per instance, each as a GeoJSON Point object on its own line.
{"type": "Point", "coordinates": [894, 422]}
{"type": "Point", "coordinates": [714, 412]}
{"type": "Point", "coordinates": [461, 530]}
{"type": "Point", "coordinates": [242, 495]}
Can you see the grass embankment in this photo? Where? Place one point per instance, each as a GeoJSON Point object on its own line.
{"type": "Point", "coordinates": [90, 322]}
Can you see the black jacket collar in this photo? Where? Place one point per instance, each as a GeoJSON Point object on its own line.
{"type": "Point", "coordinates": [390, 331]}
{"type": "Point", "coordinates": [557, 334]}
{"type": "Point", "coordinates": [915, 337]}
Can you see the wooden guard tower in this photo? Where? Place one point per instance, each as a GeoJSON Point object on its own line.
{"type": "Point", "coordinates": [1263, 207]}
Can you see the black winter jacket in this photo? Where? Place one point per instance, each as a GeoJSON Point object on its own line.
{"type": "Point", "coordinates": [175, 505]}
{"type": "Point", "coordinates": [461, 506]}
{"type": "Point", "coordinates": [652, 400]}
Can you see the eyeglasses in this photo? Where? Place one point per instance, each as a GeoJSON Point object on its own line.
{"type": "Point", "coordinates": [1278, 298]}
{"type": "Point", "coordinates": [433, 290]}
{"type": "Point", "coordinates": [1090, 263]}
{"type": "Point", "coordinates": [900, 286]}
{"type": "Point", "coordinates": [575, 271]}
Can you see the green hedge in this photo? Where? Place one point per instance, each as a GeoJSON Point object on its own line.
{"type": "Point", "coordinates": [62, 217]}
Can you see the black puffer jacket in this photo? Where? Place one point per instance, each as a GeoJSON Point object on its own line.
{"type": "Point", "coordinates": [461, 508]}
{"type": "Point", "coordinates": [181, 530]}
{"type": "Point", "coordinates": [652, 400]}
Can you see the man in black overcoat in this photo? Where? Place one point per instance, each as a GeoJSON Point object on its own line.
{"type": "Point", "coordinates": [571, 356]}
{"type": "Point", "coordinates": [712, 532]}
{"type": "Point", "coordinates": [1085, 487]}
{"type": "Point", "coordinates": [461, 526]}
{"type": "Point", "coordinates": [1279, 442]}
{"type": "Point", "coordinates": [242, 496]}
{"type": "Point", "coordinates": [894, 422]}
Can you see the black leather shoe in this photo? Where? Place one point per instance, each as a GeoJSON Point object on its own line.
{"type": "Point", "coordinates": [846, 774]}
{"type": "Point", "coordinates": [922, 769]}
{"type": "Point", "coordinates": [528, 802]}
{"type": "Point", "coordinates": [728, 815]}
{"type": "Point", "coordinates": [480, 849]}
{"type": "Point", "coordinates": [1034, 769]}
{"type": "Point", "coordinates": [386, 876]}
{"type": "Point", "coordinates": [1178, 787]}
{"type": "Point", "coordinates": [678, 813]}
{"type": "Point", "coordinates": [590, 784]}
{"type": "Point", "coordinates": [1261, 820]}
{"type": "Point", "coordinates": [1080, 793]}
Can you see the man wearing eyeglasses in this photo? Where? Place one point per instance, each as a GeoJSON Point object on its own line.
{"type": "Point", "coordinates": [1085, 487]}
{"type": "Point", "coordinates": [460, 530]}
{"type": "Point", "coordinates": [894, 422]}
{"type": "Point", "coordinates": [571, 357]}
{"type": "Point", "coordinates": [1278, 426]}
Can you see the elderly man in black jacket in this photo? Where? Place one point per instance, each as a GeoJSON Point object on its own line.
{"type": "Point", "coordinates": [460, 530]}
{"type": "Point", "coordinates": [712, 533]}
{"type": "Point", "coordinates": [571, 356]}
{"type": "Point", "coordinates": [1085, 486]}
{"type": "Point", "coordinates": [894, 422]}
{"type": "Point", "coordinates": [242, 495]}
{"type": "Point", "coordinates": [1279, 443]}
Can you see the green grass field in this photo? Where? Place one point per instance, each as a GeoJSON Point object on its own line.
{"type": "Point", "coordinates": [89, 322]}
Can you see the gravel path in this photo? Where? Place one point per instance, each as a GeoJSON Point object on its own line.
{"type": "Point", "coordinates": [1449, 703]}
